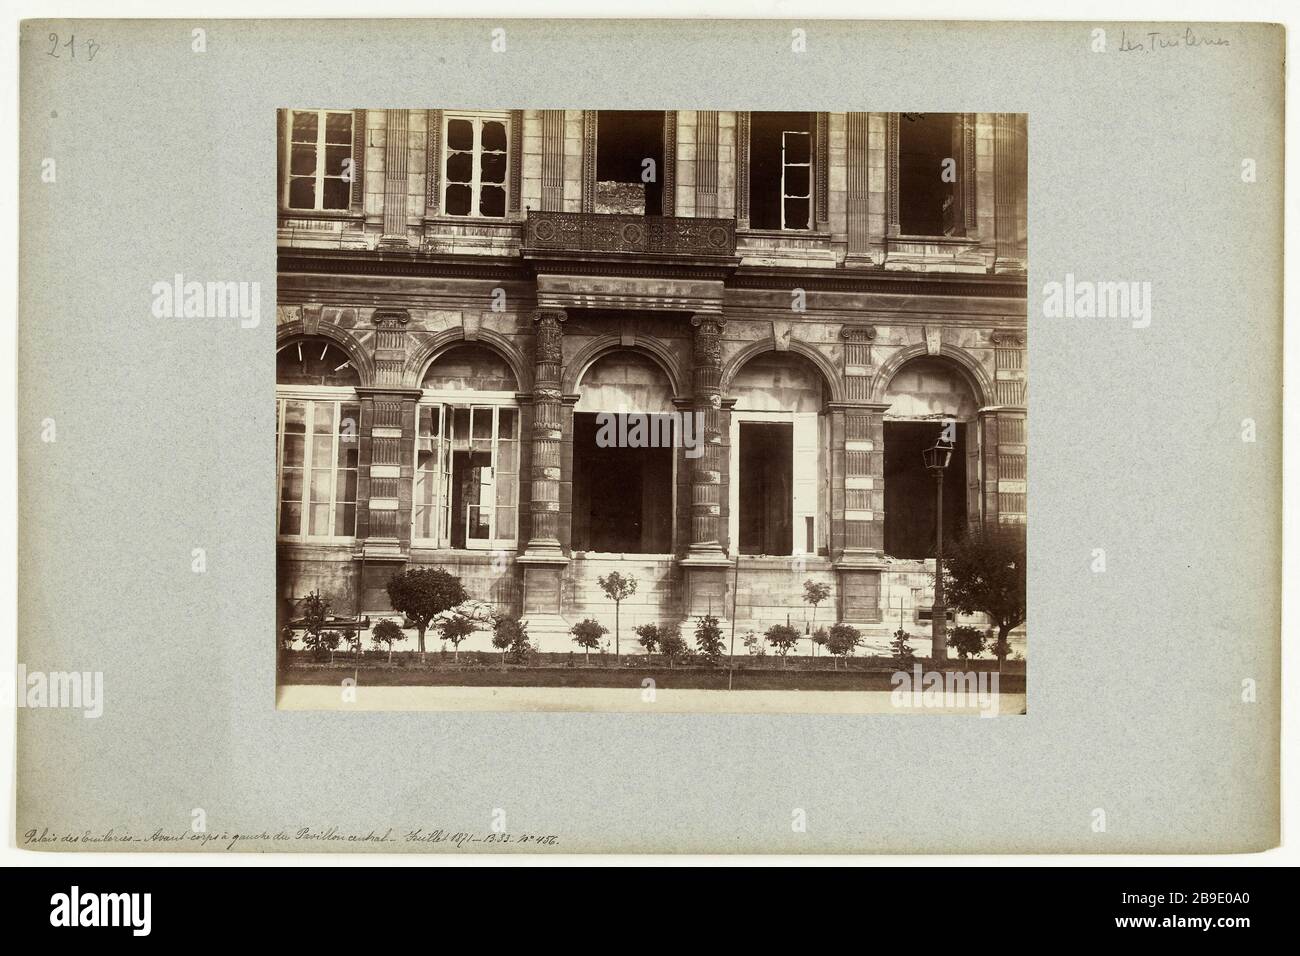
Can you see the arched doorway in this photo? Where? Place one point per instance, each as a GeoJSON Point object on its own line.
{"type": "Point", "coordinates": [778, 487]}
{"type": "Point", "coordinates": [466, 492]}
{"type": "Point", "coordinates": [623, 436]}
{"type": "Point", "coordinates": [928, 397]}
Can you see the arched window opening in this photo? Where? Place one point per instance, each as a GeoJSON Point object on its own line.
{"type": "Point", "coordinates": [624, 429]}
{"type": "Point", "coordinates": [318, 421]}
{"type": "Point", "coordinates": [779, 457]}
{"type": "Point", "coordinates": [466, 492]}
{"type": "Point", "coordinates": [929, 398]}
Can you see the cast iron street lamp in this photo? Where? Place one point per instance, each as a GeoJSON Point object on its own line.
{"type": "Point", "coordinates": [936, 459]}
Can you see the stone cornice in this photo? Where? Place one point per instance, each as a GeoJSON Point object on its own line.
{"type": "Point", "coordinates": [367, 263]}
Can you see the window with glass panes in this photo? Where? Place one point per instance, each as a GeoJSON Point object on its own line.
{"type": "Point", "coordinates": [319, 445]}
{"type": "Point", "coordinates": [320, 151]}
{"type": "Point", "coordinates": [475, 164]}
{"type": "Point", "coordinates": [466, 476]}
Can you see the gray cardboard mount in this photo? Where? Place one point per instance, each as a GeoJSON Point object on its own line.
{"type": "Point", "coordinates": [165, 164]}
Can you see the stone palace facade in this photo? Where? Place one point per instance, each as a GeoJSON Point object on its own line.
{"type": "Point", "coordinates": [462, 294]}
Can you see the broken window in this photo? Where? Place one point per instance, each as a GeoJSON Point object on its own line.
{"type": "Point", "coordinates": [466, 476]}
{"type": "Point", "coordinates": [475, 162]}
{"type": "Point", "coordinates": [320, 153]}
{"type": "Point", "coordinates": [780, 170]}
{"type": "Point", "coordinates": [467, 452]}
{"type": "Point", "coordinates": [929, 153]}
{"type": "Point", "coordinates": [629, 162]}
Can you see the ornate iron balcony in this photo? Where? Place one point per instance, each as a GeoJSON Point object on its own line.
{"type": "Point", "coordinates": [619, 233]}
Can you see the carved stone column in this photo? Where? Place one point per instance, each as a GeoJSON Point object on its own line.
{"type": "Point", "coordinates": [706, 474]}
{"type": "Point", "coordinates": [706, 562]}
{"type": "Point", "coordinates": [543, 561]}
{"type": "Point", "coordinates": [857, 454]}
{"type": "Point", "coordinates": [386, 457]}
{"type": "Point", "coordinates": [547, 433]}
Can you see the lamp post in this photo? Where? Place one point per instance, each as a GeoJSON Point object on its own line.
{"type": "Point", "coordinates": [936, 460]}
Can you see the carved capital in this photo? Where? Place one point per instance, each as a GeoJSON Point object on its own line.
{"type": "Point", "coordinates": [702, 320]}
{"type": "Point", "coordinates": [708, 341]}
{"type": "Point", "coordinates": [550, 337]}
{"type": "Point", "coordinates": [1008, 339]}
{"type": "Point", "coordinates": [858, 333]}
{"type": "Point", "coordinates": [550, 315]}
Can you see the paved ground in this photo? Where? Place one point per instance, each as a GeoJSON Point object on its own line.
{"type": "Point", "coordinates": [633, 700]}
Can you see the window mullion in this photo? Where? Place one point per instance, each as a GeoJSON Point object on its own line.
{"type": "Point", "coordinates": [304, 500]}
{"type": "Point", "coordinates": [476, 159]}
{"type": "Point", "coordinates": [334, 466]}
{"type": "Point", "coordinates": [320, 159]}
{"type": "Point", "coordinates": [492, 490]}
{"type": "Point", "coordinates": [279, 462]}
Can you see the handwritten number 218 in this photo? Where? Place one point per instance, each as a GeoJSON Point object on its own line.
{"type": "Point", "coordinates": [70, 44]}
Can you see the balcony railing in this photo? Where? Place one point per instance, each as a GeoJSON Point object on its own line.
{"type": "Point", "coordinates": [618, 233]}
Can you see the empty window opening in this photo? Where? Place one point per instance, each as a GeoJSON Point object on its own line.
{"type": "Point", "coordinates": [622, 497]}
{"type": "Point", "coordinates": [766, 484]}
{"type": "Point", "coordinates": [929, 149]}
{"type": "Point", "coordinates": [780, 170]}
{"type": "Point", "coordinates": [630, 162]}
{"type": "Point", "coordinates": [471, 497]}
{"type": "Point", "coordinates": [910, 504]}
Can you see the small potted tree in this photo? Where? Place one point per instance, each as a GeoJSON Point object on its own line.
{"type": "Point", "coordinates": [387, 632]}
{"type": "Point", "coordinates": [900, 648]}
{"type": "Point", "coordinates": [813, 594]}
{"type": "Point", "coordinates": [315, 614]}
{"type": "Point", "coordinates": [967, 641]}
{"type": "Point", "coordinates": [587, 634]}
{"type": "Point", "coordinates": [671, 644]}
{"type": "Point", "coordinates": [708, 640]}
{"type": "Point", "coordinates": [424, 593]}
{"type": "Point", "coordinates": [455, 628]}
{"type": "Point", "coordinates": [618, 589]}
{"type": "Point", "coordinates": [782, 637]}
{"type": "Point", "coordinates": [648, 637]}
{"type": "Point", "coordinates": [509, 635]}
{"type": "Point", "coordinates": [841, 640]}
